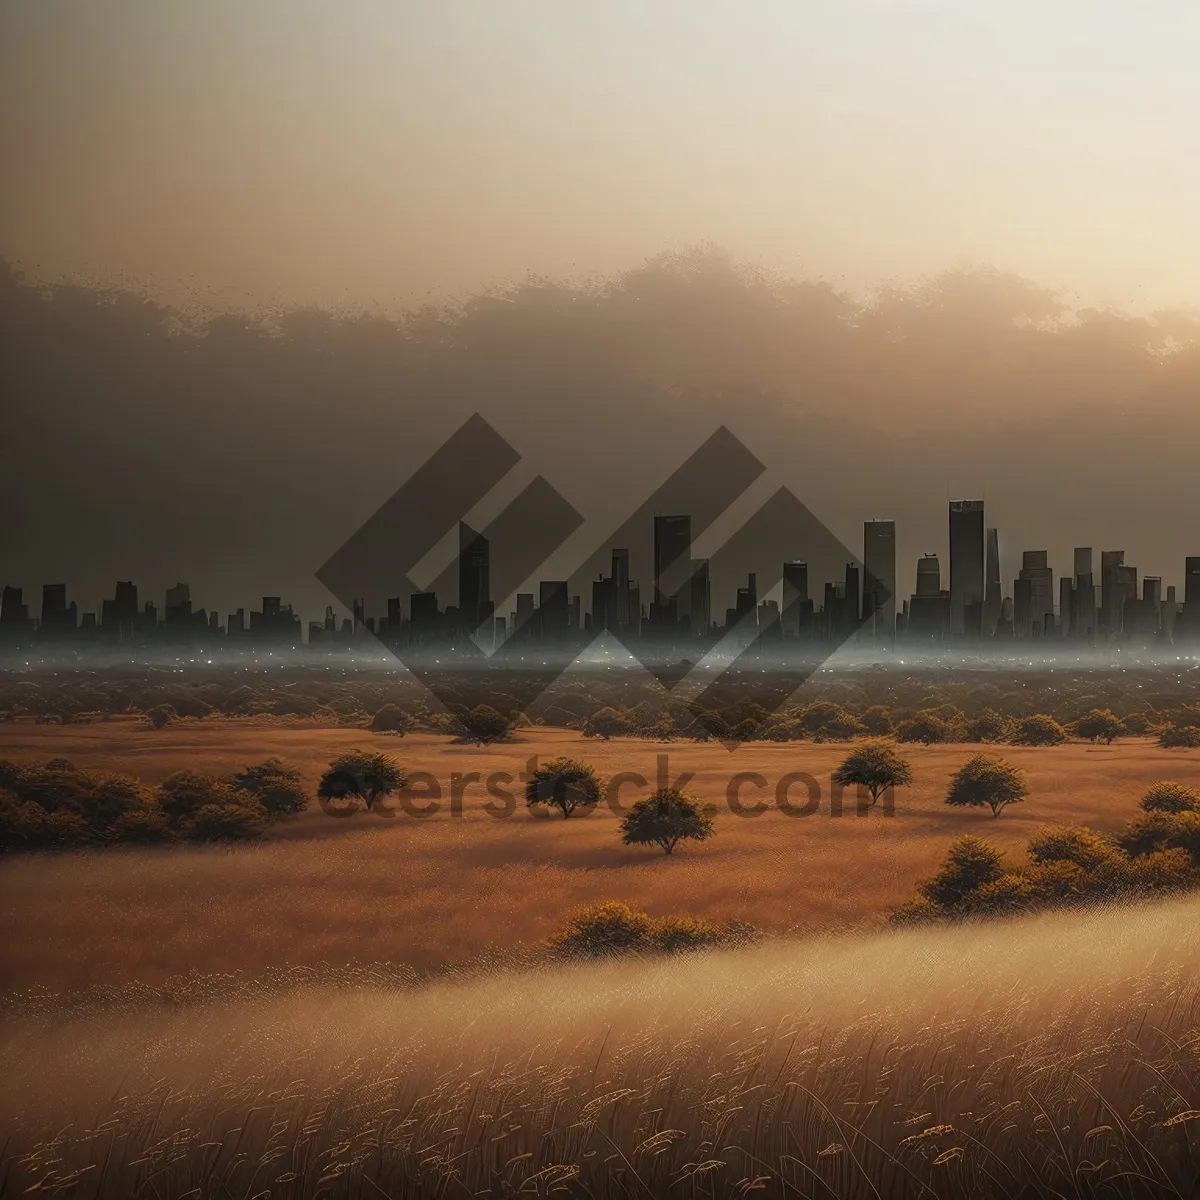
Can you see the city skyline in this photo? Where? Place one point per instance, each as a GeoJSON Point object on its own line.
{"type": "Point", "coordinates": [678, 603]}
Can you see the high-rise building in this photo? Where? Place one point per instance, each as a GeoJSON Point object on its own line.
{"type": "Point", "coordinates": [672, 562]}
{"type": "Point", "coordinates": [993, 591]}
{"type": "Point", "coordinates": [474, 581]}
{"type": "Point", "coordinates": [929, 607]}
{"type": "Point", "coordinates": [700, 598]}
{"type": "Point", "coordinates": [1189, 620]}
{"type": "Point", "coordinates": [1033, 595]}
{"type": "Point", "coordinates": [929, 575]}
{"type": "Point", "coordinates": [879, 582]}
{"type": "Point", "coordinates": [620, 589]}
{"type": "Point", "coordinates": [553, 608]}
{"type": "Point", "coordinates": [795, 598]}
{"type": "Point", "coordinates": [1082, 623]}
{"type": "Point", "coordinates": [967, 537]}
{"type": "Point", "coordinates": [1118, 586]}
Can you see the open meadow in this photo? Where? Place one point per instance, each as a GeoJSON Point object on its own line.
{"type": "Point", "coordinates": [1049, 1056]}
{"type": "Point", "coordinates": [430, 891]}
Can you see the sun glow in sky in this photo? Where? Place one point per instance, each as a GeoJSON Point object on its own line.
{"type": "Point", "coordinates": [377, 153]}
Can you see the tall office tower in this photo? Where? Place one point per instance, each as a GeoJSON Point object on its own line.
{"type": "Point", "coordinates": [966, 567]}
{"type": "Point", "coordinates": [879, 582]}
{"type": "Point", "coordinates": [1033, 595]}
{"type": "Point", "coordinates": [795, 597]}
{"type": "Point", "coordinates": [929, 607]}
{"type": "Point", "coordinates": [602, 604]}
{"type": "Point", "coordinates": [54, 601]}
{"type": "Point", "coordinates": [672, 562]}
{"type": "Point", "coordinates": [14, 613]}
{"type": "Point", "coordinates": [929, 575]}
{"type": "Point", "coordinates": [1191, 580]}
{"type": "Point", "coordinates": [700, 598]}
{"type": "Point", "coordinates": [422, 617]}
{"type": "Point", "coordinates": [620, 588]}
{"type": "Point", "coordinates": [1066, 605]}
{"type": "Point", "coordinates": [993, 593]}
{"type": "Point", "coordinates": [1083, 597]}
{"type": "Point", "coordinates": [851, 606]}
{"type": "Point", "coordinates": [1189, 620]}
{"type": "Point", "coordinates": [747, 598]}
{"type": "Point", "coordinates": [1118, 585]}
{"type": "Point", "coordinates": [474, 579]}
{"type": "Point", "coordinates": [523, 619]}
{"type": "Point", "coordinates": [553, 608]}
{"type": "Point", "coordinates": [57, 615]}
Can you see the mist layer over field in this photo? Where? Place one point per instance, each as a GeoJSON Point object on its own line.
{"type": "Point", "coordinates": [1051, 1056]}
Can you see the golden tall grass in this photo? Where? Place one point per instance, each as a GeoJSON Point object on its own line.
{"type": "Point", "coordinates": [428, 892]}
{"type": "Point", "coordinates": [1051, 1056]}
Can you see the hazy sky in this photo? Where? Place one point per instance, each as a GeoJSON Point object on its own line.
{"type": "Point", "coordinates": [286, 150]}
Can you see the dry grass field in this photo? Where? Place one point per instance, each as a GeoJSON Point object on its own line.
{"type": "Point", "coordinates": [1055, 1056]}
{"type": "Point", "coordinates": [443, 889]}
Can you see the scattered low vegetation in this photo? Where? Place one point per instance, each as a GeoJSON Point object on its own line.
{"type": "Point", "coordinates": [613, 927]}
{"type": "Point", "coordinates": [58, 806]}
{"type": "Point", "coordinates": [1158, 851]}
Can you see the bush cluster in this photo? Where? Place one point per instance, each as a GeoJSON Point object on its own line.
{"type": "Point", "coordinates": [57, 805]}
{"type": "Point", "coordinates": [612, 928]}
{"type": "Point", "coordinates": [1158, 851]}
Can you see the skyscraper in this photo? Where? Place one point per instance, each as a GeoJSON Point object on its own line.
{"type": "Point", "coordinates": [795, 597]}
{"type": "Point", "coordinates": [879, 583]}
{"type": "Point", "coordinates": [993, 594]}
{"type": "Point", "coordinates": [672, 563]}
{"type": "Point", "coordinates": [966, 567]}
{"type": "Point", "coordinates": [474, 582]}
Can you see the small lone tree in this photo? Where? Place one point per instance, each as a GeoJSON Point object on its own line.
{"type": "Point", "coordinates": [876, 766]}
{"type": "Point", "coordinates": [565, 784]}
{"type": "Point", "coordinates": [665, 819]}
{"type": "Point", "coordinates": [1100, 725]}
{"type": "Point", "coordinates": [1171, 798]}
{"type": "Point", "coordinates": [360, 775]}
{"type": "Point", "coordinates": [987, 782]}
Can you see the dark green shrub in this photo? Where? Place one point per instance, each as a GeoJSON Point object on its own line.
{"type": "Point", "coordinates": [971, 863]}
{"type": "Point", "coordinates": [276, 787]}
{"type": "Point", "coordinates": [391, 718]}
{"type": "Point", "coordinates": [563, 783]}
{"type": "Point", "coordinates": [229, 822]}
{"type": "Point", "coordinates": [926, 727]}
{"type": "Point", "coordinates": [1171, 798]}
{"type": "Point", "coordinates": [987, 782]}
{"type": "Point", "coordinates": [1077, 844]}
{"type": "Point", "coordinates": [185, 793]}
{"type": "Point", "coordinates": [1038, 730]}
{"type": "Point", "coordinates": [1179, 737]}
{"type": "Point", "coordinates": [877, 766]}
{"type": "Point", "coordinates": [990, 726]}
{"type": "Point", "coordinates": [360, 775]}
{"type": "Point", "coordinates": [141, 825]}
{"type": "Point", "coordinates": [604, 929]}
{"type": "Point", "coordinates": [1099, 725]}
{"type": "Point", "coordinates": [605, 723]}
{"type": "Point", "coordinates": [665, 819]}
